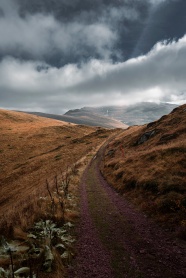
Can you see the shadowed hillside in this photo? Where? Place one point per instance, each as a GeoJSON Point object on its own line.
{"type": "Point", "coordinates": [148, 164]}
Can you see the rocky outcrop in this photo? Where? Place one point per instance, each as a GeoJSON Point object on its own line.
{"type": "Point", "coordinates": [146, 136]}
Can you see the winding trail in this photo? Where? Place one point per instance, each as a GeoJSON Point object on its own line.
{"type": "Point", "coordinates": [116, 241]}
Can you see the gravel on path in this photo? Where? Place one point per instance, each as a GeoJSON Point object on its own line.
{"type": "Point", "coordinates": [115, 240]}
{"type": "Point", "coordinates": [92, 259]}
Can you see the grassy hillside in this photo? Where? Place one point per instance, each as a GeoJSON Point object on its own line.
{"type": "Point", "coordinates": [41, 162]}
{"type": "Point", "coordinates": [33, 149]}
{"type": "Point", "coordinates": [148, 164]}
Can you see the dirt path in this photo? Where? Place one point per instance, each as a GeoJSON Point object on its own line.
{"type": "Point", "coordinates": [115, 240]}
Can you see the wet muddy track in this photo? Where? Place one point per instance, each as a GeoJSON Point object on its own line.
{"type": "Point", "coordinates": [115, 240]}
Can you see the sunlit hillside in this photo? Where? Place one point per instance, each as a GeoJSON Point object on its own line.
{"type": "Point", "coordinates": [33, 149]}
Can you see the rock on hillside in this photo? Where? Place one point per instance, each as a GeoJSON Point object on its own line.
{"type": "Point", "coordinates": [147, 163]}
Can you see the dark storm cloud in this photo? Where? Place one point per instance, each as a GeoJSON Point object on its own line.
{"type": "Point", "coordinates": [125, 18]}
{"type": "Point", "coordinates": [58, 55]}
{"type": "Point", "coordinates": [61, 32]}
{"type": "Point", "coordinates": [165, 21]}
{"type": "Point", "coordinates": [157, 76]}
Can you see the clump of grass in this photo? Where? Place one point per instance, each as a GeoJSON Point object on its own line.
{"type": "Point", "coordinates": [58, 157]}
{"type": "Point", "coordinates": [49, 239]}
{"type": "Point", "coordinates": [151, 174]}
{"type": "Point", "coordinates": [151, 185]}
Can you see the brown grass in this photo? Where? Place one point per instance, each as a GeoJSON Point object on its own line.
{"type": "Point", "coordinates": [34, 150]}
{"type": "Point", "coordinates": [153, 173]}
{"type": "Point", "coordinates": [31, 150]}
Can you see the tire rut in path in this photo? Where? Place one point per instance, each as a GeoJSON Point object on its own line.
{"type": "Point", "coordinates": [117, 241]}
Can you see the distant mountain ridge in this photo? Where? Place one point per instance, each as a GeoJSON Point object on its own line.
{"type": "Point", "coordinates": [136, 114]}
{"type": "Point", "coordinates": [85, 118]}
{"type": "Point", "coordinates": [113, 116]}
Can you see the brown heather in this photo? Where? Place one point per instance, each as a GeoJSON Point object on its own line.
{"type": "Point", "coordinates": [33, 149]}
{"type": "Point", "coordinates": [148, 164]}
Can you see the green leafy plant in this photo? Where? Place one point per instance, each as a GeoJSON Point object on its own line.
{"type": "Point", "coordinates": [48, 239]}
{"type": "Point", "coordinates": [8, 250]}
{"type": "Point", "coordinates": [4, 273]}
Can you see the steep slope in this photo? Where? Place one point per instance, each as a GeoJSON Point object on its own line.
{"type": "Point", "coordinates": [148, 164]}
{"type": "Point", "coordinates": [85, 118]}
{"type": "Point", "coordinates": [136, 114]}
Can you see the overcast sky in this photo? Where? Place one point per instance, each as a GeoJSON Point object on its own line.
{"type": "Point", "coordinates": [57, 55]}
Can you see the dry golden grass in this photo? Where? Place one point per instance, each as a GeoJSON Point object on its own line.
{"type": "Point", "coordinates": [153, 173]}
{"type": "Point", "coordinates": [61, 150]}
{"type": "Point", "coordinates": [31, 150]}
